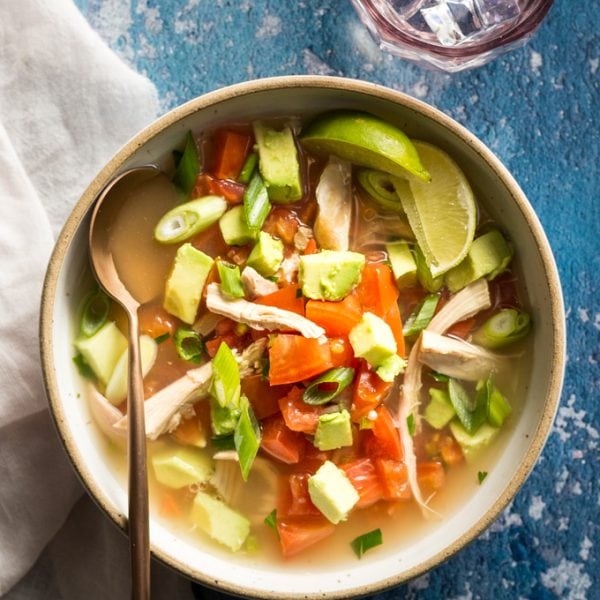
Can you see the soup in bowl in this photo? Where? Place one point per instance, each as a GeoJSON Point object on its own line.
{"type": "Point", "coordinates": [352, 337]}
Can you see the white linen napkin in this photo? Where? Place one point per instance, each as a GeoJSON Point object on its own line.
{"type": "Point", "coordinates": [66, 105]}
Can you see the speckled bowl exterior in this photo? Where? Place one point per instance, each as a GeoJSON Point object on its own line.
{"type": "Point", "coordinates": [502, 198]}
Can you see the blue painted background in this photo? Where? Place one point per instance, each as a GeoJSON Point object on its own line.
{"type": "Point", "coordinates": [538, 109]}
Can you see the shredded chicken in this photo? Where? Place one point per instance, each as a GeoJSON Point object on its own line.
{"type": "Point", "coordinates": [259, 316]}
{"type": "Point", "coordinates": [255, 285]}
{"type": "Point", "coordinates": [105, 414]}
{"type": "Point", "coordinates": [289, 267]}
{"type": "Point", "coordinates": [334, 197]}
{"type": "Point", "coordinates": [302, 237]}
{"type": "Point", "coordinates": [457, 358]}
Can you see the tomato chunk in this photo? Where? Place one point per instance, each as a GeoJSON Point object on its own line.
{"type": "Point", "coordinates": [363, 476]}
{"type": "Point", "coordinates": [286, 298]}
{"type": "Point", "coordinates": [369, 391]}
{"type": "Point", "coordinates": [280, 441]}
{"type": "Point", "coordinates": [377, 290]}
{"type": "Point", "coordinates": [342, 354]}
{"type": "Point", "coordinates": [294, 358]}
{"type": "Point", "coordinates": [337, 318]}
{"type": "Point", "coordinates": [383, 440]}
{"type": "Point", "coordinates": [431, 476]}
{"type": "Point", "coordinates": [263, 397]}
{"type": "Point", "coordinates": [299, 416]}
{"type": "Point", "coordinates": [394, 479]}
{"type": "Point", "coordinates": [230, 153]}
{"type": "Point", "coordinates": [299, 533]}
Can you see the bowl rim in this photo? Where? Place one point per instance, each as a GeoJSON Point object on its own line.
{"type": "Point", "coordinates": [556, 374]}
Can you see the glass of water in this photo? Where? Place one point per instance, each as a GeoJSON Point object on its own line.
{"type": "Point", "coordinates": [451, 35]}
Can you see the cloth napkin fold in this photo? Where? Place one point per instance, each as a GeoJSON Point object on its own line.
{"type": "Point", "coordinates": [67, 103]}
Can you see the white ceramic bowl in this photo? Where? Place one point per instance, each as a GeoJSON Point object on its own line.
{"type": "Point", "coordinates": [502, 198]}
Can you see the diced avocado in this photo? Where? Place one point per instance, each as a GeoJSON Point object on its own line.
{"type": "Point", "coordinates": [472, 444]}
{"type": "Point", "coordinates": [332, 493]}
{"type": "Point", "coordinates": [116, 389]}
{"type": "Point", "coordinates": [102, 351]}
{"type": "Point", "coordinates": [390, 368]}
{"type": "Point", "coordinates": [330, 274]}
{"type": "Point", "coordinates": [266, 256]}
{"type": "Point", "coordinates": [180, 467]}
{"type": "Point", "coordinates": [403, 263]}
{"type": "Point", "coordinates": [234, 229]}
{"type": "Point", "coordinates": [278, 163]}
{"type": "Point", "coordinates": [372, 339]}
{"type": "Point", "coordinates": [430, 283]}
{"type": "Point", "coordinates": [439, 412]}
{"type": "Point", "coordinates": [488, 256]}
{"type": "Point", "coordinates": [186, 282]}
{"type": "Point", "coordinates": [220, 522]}
{"type": "Point", "coordinates": [333, 431]}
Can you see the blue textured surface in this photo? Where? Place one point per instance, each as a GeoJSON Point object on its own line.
{"type": "Point", "coordinates": [537, 108]}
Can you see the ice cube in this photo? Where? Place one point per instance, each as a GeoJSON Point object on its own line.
{"type": "Point", "coordinates": [493, 12]}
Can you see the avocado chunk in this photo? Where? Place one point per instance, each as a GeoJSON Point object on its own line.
{"type": "Point", "coordinates": [180, 467]}
{"type": "Point", "coordinates": [220, 522]}
{"type": "Point", "coordinates": [390, 368]}
{"type": "Point", "coordinates": [266, 256]}
{"type": "Point", "coordinates": [426, 279]}
{"type": "Point", "coordinates": [472, 444]}
{"type": "Point", "coordinates": [330, 274]}
{"type": "Point", "coordinates": [116, 389]}
{"type": "Point", "coordinates": [278, 163]}
{"type": "Point", "coordinates": [333, 431]}
{"type": "Point", "coordinates": [186, 282]}
{"type": "Point", "coordinates": [332, 493]}
{"type": "Point", "coordinates": [234, 228]}
{"type": "Point", "coordinates": [488, 256]}
{"type": "Point", "coordinates": [102, 350]}
{"type": "Point", "coordinates": [403, 263]}
{"type": "Point", "coordinates": [372, 339]}
{"type": "Point", "coordinates": [439, 412]}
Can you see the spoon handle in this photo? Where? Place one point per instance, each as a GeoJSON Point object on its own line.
{"type": "Point", "coordinates": [138, 479]}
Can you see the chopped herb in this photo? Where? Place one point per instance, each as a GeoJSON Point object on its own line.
{"type": "Point", "coordinates": [328, 386]}
{"type": "Point", "coordinates": [189, 344]}
{"type": "Point", "coordinates": [271, 520]}
{"type": "Point", "coordinates": [162, 338]}
{"type": "Point", "coordinates": [84, 369]}
{"type": "Point", "coordinates": [481, 475]}
{"type": "Point", "coordinates": [366, 541]}
{"type": "Point", "coordinates": [266, 365]}
{"type": "Point", "coordinates": [223, 442]}
{"type": "Point", "coordinates": [410, 423]}
{"type": "Point", "coordinates": [299, 293]}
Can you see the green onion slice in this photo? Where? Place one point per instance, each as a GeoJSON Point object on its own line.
{"type": "Point", "coordinates": [328, 386]}
{"type": "Point", "coordinates": [159, 339]}
{"type": "Point", "coordinates": [223, 442]}
{"type": "Point", "coordinates": [189, 344]}
{"type": "Point", "coordinates": [256, 203]}
{"type": "Point", "coordinates": [248, 168]}
{"type": "Point", "coordinates": [505, 327]}
{"type": "Point", "coordinates": [94, 312]}
{"type": "Point", "coordinates": [225, 387]}
{"type": "Point", "coordinates": [189, 218]}
{"type": "Point", "coordinates": [497, 405]}
{"type": "Point", "coordinates": [231, 280]}
{"type": "Point", "coordinates": [84, 369]}
{"type": "Point", "coordinates": [188, 166]}
{"type": "Point", "coordinates": [380, 186]}
{"type": "Point", "coordinates": [410, 424]}
{"type": "Point", "coordinates": [271, 519]}
{"type": "Point", "coordinates": [246, 437]}
{"type": "Point", "coordinates": [223, 420]}
{"type": "Point", "coordinates": [421, 316]}
{"type": "Point", "coordinates": [366, 541]}
{"type": "Point", "coordinates": [471, 412]}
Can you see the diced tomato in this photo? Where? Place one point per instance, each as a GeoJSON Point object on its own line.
{"type": "Point", "coordinates": [288, 297]}
{"type": "Point", "coordinates": [311, 247]}
{"type": "Point", "coordinates": [294, 499]}
{"type": "Point", "coordinates": [462, 329]}
{"type": "Point", "coordinates": [299, 533]}
{"type": "Point", "coordinates": [383, 440]}
{"type": "Point", "coordinates": [299, 416]}
{"type": "Point", "coordinates": [263, 397]}
{"type": "Point", "coordinates": [232, 340]}
{"type": "Point", "coordinates": [169, 505]}
{"type": "Point", "coordinates": [211, 242]}
{"type": "Point", "coordinates": [282, 223]}
{"type": "Point", "coordinates": [206, 185]}
{"type": "Point", "coordinates": [231, 149]}
{"type": "Point", "coordinates": [294, 358]}
{"type": "Point", "coordinates": [337, 318]}
{"type": "Point", "coordinates": [225, 326]}
{"type": "Point", "coordinates": [377, 290]}
{"type": "Point", "coordinates": [363, 476]}
{"type": "Point", "coordinates": [450, 451]}
{"type": "Point", "coordinates": [393, 319]}
{"type": "Point", "coordinates": [369, 392]}
{"type": "Point", "coordinates": [431, 476]}
{"type": "Point", "coordinates": [394, 479]}
{"type": "Point", "coordinates": [155, 321]}
{"type": "Point", "coordinates": [342, 354]}
{"type": "Point", "coordinates": [280, 441]}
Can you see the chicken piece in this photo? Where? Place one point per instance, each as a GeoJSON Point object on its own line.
{"type": "Point", "coordinates": [334, 197]}
{"type": "Point", "coordinates": [258, 316]}
{"type": "Point", "coordinates": [457, 358]}
{"type": "Point", "coordinates": [106, 415]}
{"type": "Point", "coordinates": [302, 237]}
{"type": "Point", "coordinates": [289, 267]}
{"type": "Point", "coordinates": [255, 285]}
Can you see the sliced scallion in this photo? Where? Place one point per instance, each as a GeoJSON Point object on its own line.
{"type": "Point", "coordinates": [223, 419]}
{"type": "Point", "coordinates": [223, 442]}
{"type": "Point", "coordinates": [188, 166]}
{"type": "Point", "coordinates": [380, 186]}
{"type": "Point", "coordinates": [94, 312]}
{"type": "Point", "coordinates": [231, 279]}
{"type": "Point", "coordinates": [421, 316]}
{"type": "Point", "coordinates": [410, 424]}
{"type": "Point", "coordinates": [366, 541]}
{"type": "Point", "coordinates": [189, 344]}
{"type": "Point", "coordinates": [246, 437]}
{"type": "Point", "coordinates": [329, 385]}
{"type": "Point", "coordinates": [505, 327]}
{"type": "Point", "coordinates": [256, 203]}
{"type": "Point", "coordinates": [225, 387]}
{"type": "Point", "coordinates": [248, 168]}
{"type": "Point", "coordinates": [471, 412]}
{"type": "Point", "coordinates": [159, 339]}
{"type": "Point", "coordinates": [497, 405]}
{"type": "Point", "coordinates": [84, 369]}
{"type": "Point", "coordinates": [189, 218]}
{"type": "Point", "coordinates": [271, 520]}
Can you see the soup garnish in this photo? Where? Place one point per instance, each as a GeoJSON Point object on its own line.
{"type": "Point", "coordinates": [330, 336]}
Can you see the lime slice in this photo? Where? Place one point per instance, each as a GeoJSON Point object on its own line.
{"type": "Point", "coordinates": [441, 213]}
{"type": "Point", "coordinates": [364, 140]}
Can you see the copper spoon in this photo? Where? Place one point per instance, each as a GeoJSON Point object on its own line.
{"type": "Point", "coordinates": [104, 215]}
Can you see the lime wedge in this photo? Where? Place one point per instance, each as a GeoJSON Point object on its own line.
{"type": "Point", "coordinates": [441, 213]}
{"type": "Point", "coordinates": [364, 140]}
